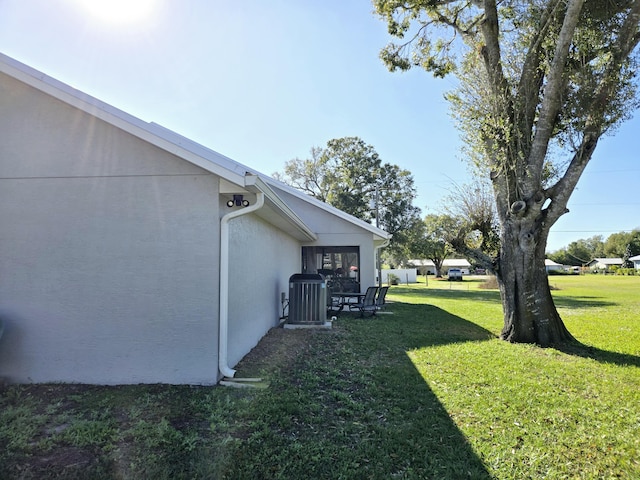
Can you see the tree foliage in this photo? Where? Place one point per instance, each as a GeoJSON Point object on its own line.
{"type": "Point", "coordinates": [581, 252]}
{"type": "Point", "coordinates": [350, 175]}
{"type": "Point", "coordinates": [433, 239]}
{"type": "Point", "coordinates": [472, 204]}
{"type": "Point", "coordinates": [540, 82]}
{"type": "Point", "coordinates": [619, 244]}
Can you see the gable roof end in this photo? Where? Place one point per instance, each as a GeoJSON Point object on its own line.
{"type": "Point", "coordinates": [152, 133]}
{"type": "Point", "coordinates": [275, 210]}
{"type": "Point", "coordinates": [380, 235]}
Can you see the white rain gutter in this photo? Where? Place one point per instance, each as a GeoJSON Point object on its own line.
{"type": "Point", "coordinates": [223, 337]}
{"type": "Point", "coordinates": [378, 262]}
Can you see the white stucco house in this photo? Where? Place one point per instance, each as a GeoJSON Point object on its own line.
{"type": "Point", "coordinates": [551, 266]}
{"type": "Point", "coordinates": [604, 263]}
{"type": "Point", "coordinates": [428, 267]}
{"type": "Point", "coordinates": [130, 254]}
{"type": "Point", "coordinates": [636, 261]}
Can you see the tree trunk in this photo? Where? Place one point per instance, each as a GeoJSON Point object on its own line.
{"type": "Point", "coordinates": [530, 315]}
{"type": "Point", "coordinates": [437, 263]}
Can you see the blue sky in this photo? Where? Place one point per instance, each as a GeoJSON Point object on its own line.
{"type": "Point", "coordinates": [264, 81]}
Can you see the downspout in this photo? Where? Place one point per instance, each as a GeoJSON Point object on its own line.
{"type": "Point", "coordinates": [379, 262]}
{"type": "Point", "coordinates": [223, 334]}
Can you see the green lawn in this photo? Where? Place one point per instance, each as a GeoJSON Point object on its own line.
{"type": "Point", "coordinates": [427, 391]}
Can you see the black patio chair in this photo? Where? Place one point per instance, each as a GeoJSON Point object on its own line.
{"type": "Point", "coordinates": [380, 299]}
{"type": "Point", "coordinates": [333, 304]}
{"type": "Point", "coordinates": [368, 303]}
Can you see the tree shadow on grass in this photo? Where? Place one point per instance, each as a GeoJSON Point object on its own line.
{"type": "Point", "coordinates": [431, 326]}
{"type": "Point", "coordinates": [355, 406]}
{"type": "Point", "coordinates": [445, 324]}
{"type": "Point", "coordinates": [493, 296]}
{"type": "Point", "coordinates": [579, 349]}
{"type": "Point", "coordinates": [581, 302]}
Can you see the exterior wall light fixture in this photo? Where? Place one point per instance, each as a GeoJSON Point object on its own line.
{"type": "Point", "coordinates": [238, 201]}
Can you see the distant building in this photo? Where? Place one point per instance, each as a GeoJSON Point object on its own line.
{"type": "Point", "coordinates": [427, 266]}
{"type": "Point", "coordinates": [604, 263]}
{"type": "Point", "coordinates": [551, 266]}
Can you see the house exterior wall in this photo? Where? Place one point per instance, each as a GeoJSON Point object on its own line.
{"type": "Point", "coordinates": [108, 252]}
{"type": "Point", "coordinates": [261, 260]}
{"type": "Point", "coordinates": [363, 241]}
{"type": "Point", "coordinates": [604, 263]}
{"type": "Point", "coordinates": [335, 231]}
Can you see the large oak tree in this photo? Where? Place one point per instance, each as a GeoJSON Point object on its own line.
{"type": "Point", "coordinates": [350, 175]}
{"type": "Point", "coordinates": [540, 82]}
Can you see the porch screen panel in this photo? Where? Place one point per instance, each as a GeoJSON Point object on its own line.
{"type": "Point", "coordinates": [339, 265]}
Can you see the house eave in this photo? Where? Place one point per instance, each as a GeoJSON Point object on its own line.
{"type": "Point", "coordinates": [380, 237]}
{"type": "Point", "coordinates": [277, 212]}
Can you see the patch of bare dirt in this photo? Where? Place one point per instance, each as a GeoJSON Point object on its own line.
{"type": "Point", "coordinates": [275, 351]}
{"type": "Point", "coordinates": [64, 458]}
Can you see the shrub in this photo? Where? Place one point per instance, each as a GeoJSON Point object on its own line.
{"type": "Point", "coordinates": [490, 283]}
{"type": "Point", "coordinates": [558, 272]}
{"type": "Point", "coordinates": [626, 271]}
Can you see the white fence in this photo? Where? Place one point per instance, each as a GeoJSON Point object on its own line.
{"type": "Point", "coordinates": [405, 275]}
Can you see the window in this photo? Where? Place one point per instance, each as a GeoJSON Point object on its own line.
{"type": "Point", "coordinates": [339, 265]}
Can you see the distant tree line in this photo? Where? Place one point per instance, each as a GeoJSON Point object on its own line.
{"type": "Point", "coordinates": [617, 245]}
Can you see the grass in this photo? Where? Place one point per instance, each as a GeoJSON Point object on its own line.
{"type": "Point", "coordinates": [425, 392]}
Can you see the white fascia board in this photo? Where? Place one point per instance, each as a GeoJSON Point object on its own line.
{"type": "Point", "coordinates": [152, 133]}
{"type": "Point", "coordinates": [379, 234]}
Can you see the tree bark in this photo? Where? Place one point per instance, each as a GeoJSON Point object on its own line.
{"type": "Point", "coordinates": [530, 315]}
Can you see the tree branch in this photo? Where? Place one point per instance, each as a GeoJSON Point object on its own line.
{"type": "Point", "coordinates": [481, 258]}
{"type": "Point", "coordinates": [491, 49]}
{"type": "Point", "coordinates": [629, 36]}
{"type": "Point", "coordinates": [551, 101]}
{"type": "Point", "coordinates": [627, 40]}
{"type": "Point", "coordinates": [533, 75]}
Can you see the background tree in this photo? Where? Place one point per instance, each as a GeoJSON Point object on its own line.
{"type": "Point", "coordinates": [617, 244]}
{"type": "Point", "coordinates": [398, 253]}
{"type": "Point", "coordinates": [311, 175]}
{"type": "Point", "coordinates": [540, 82]}
{"type": "Point", "coordinates": [349, 175]}
{"type": "Point", "coordinates": [580, 252]}
{"type": "Point", "coordinates": [432, 240]}
{"type": "Point", "coordinates": [473, 206]}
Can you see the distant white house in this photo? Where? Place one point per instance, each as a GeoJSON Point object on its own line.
{"type": "Point", "coordinates": [130, 254]}
{"type": "Point", "coordinates": [427, 266]}
{"type": "Point", "coordinates": [636, 261]}
{"type": "Point", "coordinates": [604, 263]}
{"type": "Point", "coordinates": [551, 266]}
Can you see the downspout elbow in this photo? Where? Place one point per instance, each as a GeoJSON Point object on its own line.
{"type": "Point", "coordinates": [223, 332]}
